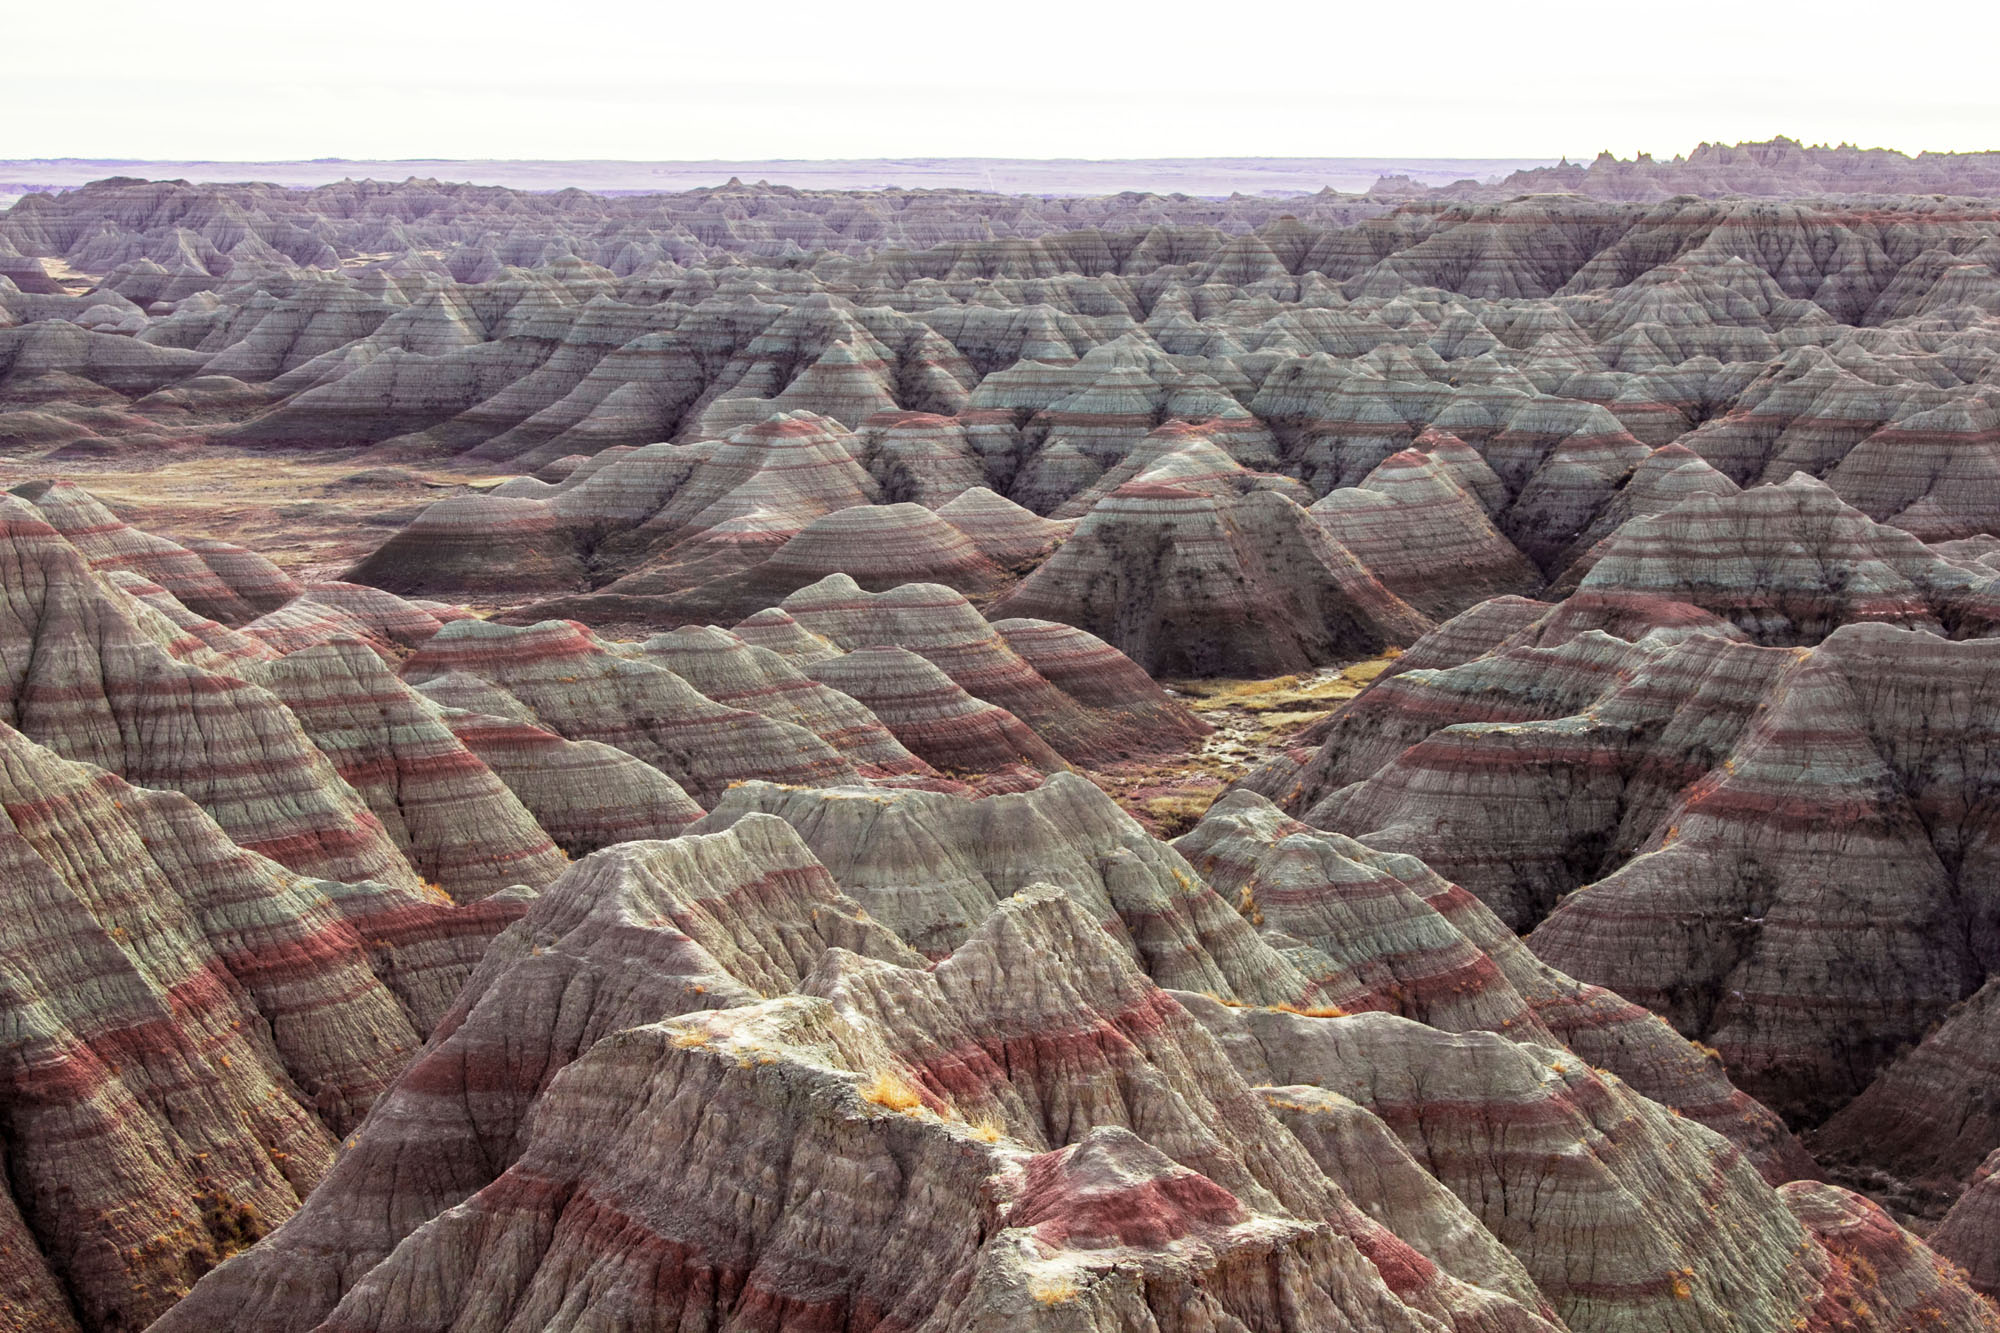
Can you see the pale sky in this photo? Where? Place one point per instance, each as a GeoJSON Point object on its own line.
{"type": "Point", "coordinates": [645, 80]}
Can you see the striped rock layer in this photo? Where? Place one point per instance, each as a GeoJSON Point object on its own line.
{"type": "Point", "coordinates": [1190, 585]}
{"type": "Point", "coordinates": [730, 671]}
{"type": "Point", "coordinates": [454, 821]}
{"type": "Point", "coordinates": [1083, 698]}
{"type": "Point", "coordinates": [584, 794]}
{"type": "Point", "coordinates": [1970, 1232]}
{"type": "Point", "coordinates": [85, 678]}
{"type": "Point", "coordinates": [677, 1028]}
{"type": "Point", "coordinates": [1739, 773]}
{"type": "Point", "coordinates": [191, 1028]}
{"type": "Point", "coordinates": [718, 369]}
{"type": "Point", "coordinates": [574, 686]}
{"type": "Point", "coordinates": [1384, 932]}
{"type": "Point", "coordinates": [1699, 823]}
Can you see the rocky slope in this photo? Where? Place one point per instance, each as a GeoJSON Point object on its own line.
{"type": "Point", "coordinates": [236, 851]}
{"type": "Point", "coordinates": [192, 1027]}
{"type": "Point", "coordinates": [1028, 1119]}
{"type": "Point", "coordinates": [722, 921]}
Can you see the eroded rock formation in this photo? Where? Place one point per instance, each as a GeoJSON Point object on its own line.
{"type": "Point", "coordinates": [839, 542]}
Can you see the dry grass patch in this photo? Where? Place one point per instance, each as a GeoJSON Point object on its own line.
{"type": "Point", "coordinates": [1174, 814]}
{"type": "Point", "coordinates": [1253, 721]}
{"type": "Point", "coordinates": [1054, 1290]}
{"type": "Point", "coordinates": [1305, 694]}
{"type": "Point", "coordinates": [890, 1089]}
{"type": "Point", "coordinates": [1313, 1010]}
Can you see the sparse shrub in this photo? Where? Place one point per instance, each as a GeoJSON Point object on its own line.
{"type": "Point", "coordinates": [1174, 815]}
{"type": "Point", "coordinates": [889, 1088]}
{"type": "Point", "coordinates": [1054, 1291]}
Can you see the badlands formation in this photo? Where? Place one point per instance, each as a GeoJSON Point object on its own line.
{"type": "Point", "coordinates": [770, 759]}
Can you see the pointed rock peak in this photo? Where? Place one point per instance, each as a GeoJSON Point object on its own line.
{"type": "Point", "coordinates": [1112, 1190]}
{"type": "Point", "coordinates": [983, 503]}
{"type": "Point", "coordinates": [843, 353]}
{"type": "Point", "coordinates": [1816, 494]}
{"type": "Point", "coordinates": [1960, 416]}
{"type": "Point", "coordinates": [785, 427]}
{"type": "Point", "coordinates": [55, 496]}
{"type": "Point", "coordinates": [707, 640]}
{"type": "Point", "coordinates": [465, 691]}
{"type": "Point", "coordinates": [833, 590]}
{"type": "Point", "coordinates": [1040, 963]}
{"type": "Point", "coordinates": [343, 655]}
{"type": "Point", "coordinates": [1679, 471]}
{"type": "Point", "coordinates": [774, 628]}
{"type": "Point", "coordinates": [1412, 477]}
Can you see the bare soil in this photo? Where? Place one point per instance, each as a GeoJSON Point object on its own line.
{"type": "Point", "coordinates": [313, 515]}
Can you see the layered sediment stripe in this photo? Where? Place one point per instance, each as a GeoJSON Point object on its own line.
{"type": "Point", "coordinates": [455, 822]}
{"type": "Point", "coordinates": [941, 626]}
{"type": "Point", "coordinates": [578, 689]}
{"type": "Point", "coordinates": [1929, 1117]}
{"type": "Point", "coordinates": [1007, 534]}
{"type": "Point", "coordinates": [191, 638]}
{"type": "Point", "coordinates": [1101, 678]}
{"type": "Point", "coordinates": [1877, 1266]}
{"type": "Point", "coordinates": [776, 629]}
{"type": "Point", "coordinates": [1970, 1232]}
{"type": "Point", "coordinates": [881, 546]}
{"type": "Point", "coordinates": [404, 623]}
{"type": "Point", "coordinates": [1789, 564]}
{"type": "Point", "coordinates": [249, 575]}
{"type": "Point", "coordinates": [932, 716]}
{"type": "Point", "coordinates": [108, 543]}
{"type": "Point", "coordinates": [799, 462]}
{"type": "Point", "coordinates": [637, 933]}
{"type": "Point", "coordinates": [922, 457]}
{"type": "Point", "coordinates": [1390, 934]}
{"type": "Point", "coordinates": [193, 1025]}
{"type": "Point", "coordinates": [738, 566]}
{"type": "Point", "coordinates": [1808, 992]}
{"type": "Point", "coordinates": [933, 867]}
{"type": "Point", "coordinates": [584, 795]}
{"type": "Point", "coordinates": [89, 683]}
{"type": "Point", "coordinates": [1063, 1201]}
{"type": "Point", "coordinates": [1038, 1031]}
{"type": "Point", "coordinates": [327, 611]}
{"type": "Point", "coordinates": [477, 544]}
{"type": "Point", "coordinates": [1610, 734]}
{"type": "Point", "coordinates": [1662, 481]}
{"type": "Point", "coordinates": [732, 672]}
{"type": "Point", "coordinates": [1540, 1148]}
{"type": "Point", "coordinates": [1424, 537]}
{"type": "Point", "coordinates": [1188, 584]}
{"type": "Point", "coordinates": [1935, 473]}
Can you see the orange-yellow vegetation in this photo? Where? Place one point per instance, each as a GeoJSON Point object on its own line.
{"type": "Point", "coordinates": [889, 1088]}
{"type": "Point", "coordinates": [1054, 1291]}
